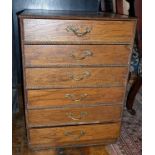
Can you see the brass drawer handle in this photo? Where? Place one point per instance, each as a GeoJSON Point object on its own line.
{"type": "Point", "coordinates": [85, 54]}
{"type": "Point", "coordinates": [80, 77]}
{"type": "Point", "coordinates": [74, 98]}
{"type": "Point", "coordinates": [78, 117]}
{"type": "Point", "coordinates": [78, 31]}
{"type": "Point", "coordinates": [75, 134]}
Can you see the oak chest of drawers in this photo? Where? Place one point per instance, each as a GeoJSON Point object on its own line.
{"type": "Point", "coordinates": [75, 70]}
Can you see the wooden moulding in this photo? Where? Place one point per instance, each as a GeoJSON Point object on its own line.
{"type": "Point", "coordinates": [73, 15]}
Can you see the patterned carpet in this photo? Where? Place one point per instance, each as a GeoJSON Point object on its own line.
{"type": "Point", "coordinates": [129, 143]}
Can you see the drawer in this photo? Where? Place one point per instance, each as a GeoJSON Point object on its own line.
{"type": "Point", "coordinates": [74, 135]}
{"type": "Point", "coordinates": [78, 31]}
{"type": "Point", "coordinates": [75, 77]}
{"type": "Point", "coordinates": [77, 55]}
{"type": "Point", "coordinates": [76, 96]}
{"type": "Point", "coordinates": [74, 116]}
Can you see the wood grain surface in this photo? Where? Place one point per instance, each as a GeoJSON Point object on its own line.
{"type": "Point", "coordinates": [74, 116]}
{"type": "Point", "coordinates": [74, 135]}
{"type": "Point", "coordinates": [75, 14]}
{"type": "Point", "coordinates": [75, 77]}
{"type": "Point", "coordinates": [75, 72]}
{"type": "Point", "coordinates": [41, 30]}
{"type": "Point", "coordinates": [65, 97]}
{"type": "Point", "coordinates": [75, 55]}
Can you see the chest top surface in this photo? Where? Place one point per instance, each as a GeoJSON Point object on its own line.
{"type": "Point", "coordinates": [57, 14]}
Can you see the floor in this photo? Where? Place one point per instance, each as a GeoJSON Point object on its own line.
{"type": "Point", "coordinates": [129, 142]}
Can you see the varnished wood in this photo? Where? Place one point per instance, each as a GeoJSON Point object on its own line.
{"type": "Point", "coordinates": [20, 146]}
{"type": "Point", "coordinates": [41, 30]}
{"type": "Point", "coordinates": [56, 97]}
{"type": "Point", "coordinates": [91, 134]}
{"type": "Point", "coordinates": [66, 14]}
{"type": "Point", "coordinates": [18, 6]}
{"type": "Point", "coordinates": [47, 39]}
{"type": "Point", "coordinates": [24, 78]}
{"type": "Point", "coordinates": [65, 55]}
{"type": "Point", "coordinates": [63, 78]}
{"type": "Point", "coordinates": [74, 116]}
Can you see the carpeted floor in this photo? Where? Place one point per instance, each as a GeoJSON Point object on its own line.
{"type": "Point", "coordinates": [129, 143]}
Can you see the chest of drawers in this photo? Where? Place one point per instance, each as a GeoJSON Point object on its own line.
{"type": "Point", "coordinates": [75, 70]}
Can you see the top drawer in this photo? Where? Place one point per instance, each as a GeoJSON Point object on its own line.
{"type": "Point", "coordinates": [78, 31]}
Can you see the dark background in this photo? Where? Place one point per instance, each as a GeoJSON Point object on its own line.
{"type": "Point", "coordinates": [19, 5]}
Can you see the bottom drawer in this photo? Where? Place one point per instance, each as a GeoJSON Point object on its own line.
{"type": "Point", "coordinates": [74, 135]}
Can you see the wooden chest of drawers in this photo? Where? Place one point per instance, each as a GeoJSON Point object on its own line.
{"type": "Point", "coordinates": [75, 70]}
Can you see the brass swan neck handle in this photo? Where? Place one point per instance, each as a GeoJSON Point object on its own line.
{"type": "Point", "coordinates": [80, 32]}
{"type": "Point", "coordinates": [80, 77]}
{"type": "Point", "coordinates": [75, 98]}
{"type": "Point", "coordinates": [83, 55]}
{"type": "Point", "coordinates": [76, 117]}
{"type": "Point", "coordinates": [75, 134]}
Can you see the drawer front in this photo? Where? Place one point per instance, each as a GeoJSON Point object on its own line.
{"type": "Point", "coordinates": [74, 135]}
{"type": "Point", "coordinates": [74, 116]}
{"type": "Point", "coordinates": [64, 55]}
{"type": "Point", "coordinates": [75, 77]}
{"type": "Point", "coordinates": [79, 31]}
{"type": "Point", "coordinates": [64, 97]}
